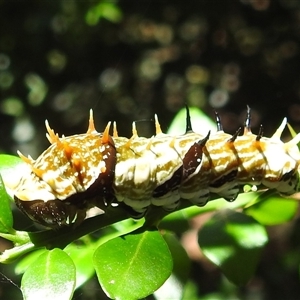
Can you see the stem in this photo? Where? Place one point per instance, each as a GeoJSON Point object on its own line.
{"type": "Point", "coordinates": [18, 237]}
{"type": "Point", "coordinates": [8, 256]}
{"type": "Point", "coordinates": [62, 237]}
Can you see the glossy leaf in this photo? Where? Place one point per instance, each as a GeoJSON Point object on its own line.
{"type": "Point", "coordinates": [51, 276]}
{"type": "Point", "coordinates": [134, 265]}
{"type": "Point", "coordinates": [9, 162]}
{"type": "Point", "coordinates": [173, 288]}
{"type": "Point", "coordinates": [190, 291]}
{"type": "Point", "coordinates": [273, 210]}
{"type": "Point", "coordinates": [233, 241]}
{"type": "Point", "coordinates": [82, 256]}
{"type": "Point", "coordinates": [27, 260]}
{"type": "Point", "coordinates": [6, 218]}
{"type": "Point", "coordinates": [12, 169]}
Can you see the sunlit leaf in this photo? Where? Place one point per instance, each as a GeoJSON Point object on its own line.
{"type": "Point", "coordinates": [27, 260]}
{"type": "Point", "coordinates": [8, 163]}
{"type": "Point", "coordinates": [6, 218]}
{"type": "Point", "coordinates": [273, 210]}
{"type": "Point", "coordinates": [173, 288]}
{"type": "Point", "coordinates": [133, 266]}
{"type": "Point", "coordinates": [11, 170]}
{"type": "Point", "coordinates": [107, 10]}
{"type": "Point", "coordinates": [82, 256]}
{"type": "Point", "coordinates": [233, 241]}
{"type": "Point", "coordinates": [51, 276]}
{"type": "Point", "coordinates": [190, 291]}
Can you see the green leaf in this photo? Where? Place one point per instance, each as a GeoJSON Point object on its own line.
{"type": "Point", "coordinates": [8, 162]}
{"type": "Point", "coordinates": [174, 287]}
{"type": "Point", "coordinates": [11, 170]}
{"type": "Point", "coordinates": [134, 265]}
{"type": "Point", "coordinates": [233, 241]}
{"type": "Point", "coordinates": [6, 218]}
{"type": "Point", "coordinates": [51, 276]}
{"type": "Point", "coordinates": [10, 167]}
{"type": "Point", "coordinates": [106, 10]}
{"type": "Point", "coordinates": [190, 291]}
{"type": "Point", "coordinates": [82, 256]}
{"type": "Point", "coordinates": [27, 260]}
{"type": "Point", "coordinates": [181, 261]}
{"type": "Point", "coordinates": [272, 210]}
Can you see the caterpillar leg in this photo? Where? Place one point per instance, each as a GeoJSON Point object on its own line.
{"type": "Point", "coordinates": [226, 186]}
{"type": "Point", "coordinates": [132, 212]}
{"type": "Point", "coordinates": [172, 206]}
{"type": "Point", "coordinates": [201, 198]}
{"type": "Point", "coordinates": [230, 194]}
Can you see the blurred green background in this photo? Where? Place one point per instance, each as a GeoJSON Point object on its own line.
{"type": "Point", "coordinates": [130, 59]}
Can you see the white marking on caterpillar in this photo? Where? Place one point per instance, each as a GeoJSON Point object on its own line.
{"type": "Point", "coordinates": [96, 169]}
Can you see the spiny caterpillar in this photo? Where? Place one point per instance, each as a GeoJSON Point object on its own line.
{"type": "Point", "coordinates": [82, 171]}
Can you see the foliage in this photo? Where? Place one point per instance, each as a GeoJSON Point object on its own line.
{"type": "Point", "coordinates": [133, 259]}
{"type": "Point", "coordinates": [129, 60]}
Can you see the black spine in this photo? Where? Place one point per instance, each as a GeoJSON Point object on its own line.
{"type": "Point", "coordinates": [218, 121]}
{"type": "Point", "coordinates": [260, 133]}
{"type": "Point", "coordinates": [248, 119]}
{"type": "Point", "coordinates": [188, 121]}
{"type": "Point", "coordinates": [233, 138]}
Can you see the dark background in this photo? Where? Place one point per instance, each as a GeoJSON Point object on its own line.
{"type": "Point", "coordinates": [131, 59]}
{"type": "Point", "coordinates": [144, 57]}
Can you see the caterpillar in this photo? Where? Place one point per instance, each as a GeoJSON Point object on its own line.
{"type": "Point", "coordinates": [98, 169]}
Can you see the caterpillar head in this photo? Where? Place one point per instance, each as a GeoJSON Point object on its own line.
{"type": "Point", "coordinates": [62, 183]}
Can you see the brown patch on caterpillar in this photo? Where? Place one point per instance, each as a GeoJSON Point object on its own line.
{"type": "Point", "coordinates": [190, 162]}
{"type": "Point", "coordinates": [52, 213]}
{"type": "Point", "coordinates": [170, 184]}
{"type": "Point", "coordinates": [224, 179]}
{"type": "Point", "coordinates": [193, 157]}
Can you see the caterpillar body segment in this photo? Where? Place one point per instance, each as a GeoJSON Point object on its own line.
{"type": "Point", "coordinates": [96, 169]}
